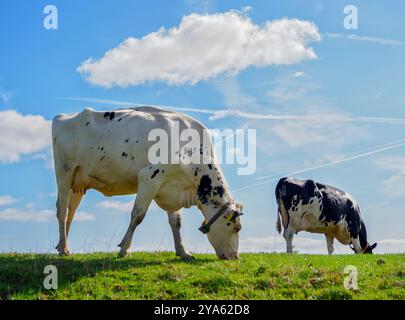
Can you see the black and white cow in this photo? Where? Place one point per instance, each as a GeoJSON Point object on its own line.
{"type": "Point", "coordinates": [305, 205]}
{"type": "Point", "coordinates": [108, 152]}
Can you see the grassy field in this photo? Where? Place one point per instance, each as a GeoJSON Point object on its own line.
{"type": "Point", "coordinates": [164, 276]}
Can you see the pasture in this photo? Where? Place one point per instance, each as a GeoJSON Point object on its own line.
{"type": "Point", "coordinates": [161, 275]}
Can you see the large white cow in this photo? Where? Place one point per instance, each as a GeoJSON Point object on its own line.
{"type": "Point", "coordinates": [108, 152]}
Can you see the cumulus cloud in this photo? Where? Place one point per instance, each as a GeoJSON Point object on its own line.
{"type": "Point", "coordinates": [22, 135]}
{"type": "Point", "coordinates": [201, 47]}
{"type": "Point", "coordinates": [6, 200]}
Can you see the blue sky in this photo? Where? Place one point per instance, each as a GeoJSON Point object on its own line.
{"type": "Point", "coordinates": [355, 79]}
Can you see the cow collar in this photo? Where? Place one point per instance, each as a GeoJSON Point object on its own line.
{"type": "Point", "coordinates": [205, 228]}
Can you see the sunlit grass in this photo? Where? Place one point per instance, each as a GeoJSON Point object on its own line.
{"type": "Point", "coordinates": [163, 276]}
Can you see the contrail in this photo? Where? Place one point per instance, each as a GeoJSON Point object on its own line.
{"type": "Point", "coordinates": [129, 104]}
{"type": "Point", "coordinates": [398, 144]}
{"type": "Point", "coordinates": [218, 113]}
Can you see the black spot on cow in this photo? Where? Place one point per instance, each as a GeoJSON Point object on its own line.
{"type": "Point", "coordinates": [204, 189]}
{"type": "Point", "coordinates": [124, 154]}
{"type": "Point", "coordinates": [87, 123]}
{"type": "Point", "coordinates": [292, 193]}
{"type": "Point", "coordinates": [210, 166]}
{"type": "Point", "coordinates": [119, 119]}
{"type": "Point", "coordinates": [126, 140]}
{"type": "Point", "coordinates": [154, 173]}
{"type": "Point", "coordinates": [219, 190]}
{"type": "Point", "coordinates": [109, 115]}
{"type": "Point", "coordinates": [215, 203]}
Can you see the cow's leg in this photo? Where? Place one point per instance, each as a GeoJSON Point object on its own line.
{"type": "Point", "coordinates": [175, 224]}
{"type": "Point", "coordinates": [74, 202]}
{"type": "Point", "coordinates": [61, 214]}
{"type": "Point", "coordinates": [148, 189]}
{"type": "Point", "coordinates": [288, 236]}
{"type": "Point", "coordinates": [329, 243]}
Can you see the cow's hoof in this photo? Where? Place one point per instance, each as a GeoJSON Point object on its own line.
{"type": "Point", "coordinates": [64, 252]}
{"type": "Point", "coordinates": [188, 258]}
{"type": "Point", "coordinates": [123, 254]}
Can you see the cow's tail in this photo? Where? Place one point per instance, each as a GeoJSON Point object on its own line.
{"type": "Point", "coordinates": [278, 224]}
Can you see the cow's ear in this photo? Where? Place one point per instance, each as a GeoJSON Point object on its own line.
{"type": "Point", "coordinates": [373, 245]}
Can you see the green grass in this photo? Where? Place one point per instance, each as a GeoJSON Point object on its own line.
{"type": "Point", "coordinates": [164, 276]}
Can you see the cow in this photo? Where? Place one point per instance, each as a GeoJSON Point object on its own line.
{"type": "Point", "coordinates": [108, 152]}
{"type": "Point", "coordinates": [306, 205]}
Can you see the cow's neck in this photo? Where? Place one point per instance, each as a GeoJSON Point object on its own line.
{"type": "Point", "coordinates": [212, 189]}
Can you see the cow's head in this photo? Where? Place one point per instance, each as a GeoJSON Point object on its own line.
{"type": "Point", "coordinates": [223, 231]}
{"type": "Point", "coordinates": [368, 248]}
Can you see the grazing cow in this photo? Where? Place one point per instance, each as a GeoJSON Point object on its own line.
{"type": "Point", "coordinates": [108, 152]}
{"type": "Point", "coordinates": [305, 205]}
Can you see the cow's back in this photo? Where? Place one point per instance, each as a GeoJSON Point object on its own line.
{"type": "Point", "coordinates": [109, 148]}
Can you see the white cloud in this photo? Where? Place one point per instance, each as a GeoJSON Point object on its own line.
{"type": "Point", "coordinates": [294, 89]}
{"type": "Point", "coordinates": [122, 206]}
{"type": "Point", "coordinates": [391, 246]}
{"type": "Point", "coordinates": [22, 135]}
{"type": "Point", "coordinates": [84, 216]}
{"type": "Point", "coordinates": [26, 214]}
{"type": "Point", "coordinates": [394, 186]}
{"type": "Point", "coordinates": [233, 95]}
{"type": "Point", "coordinates": [29, 213]}
{"type": "Point", "coordinates": [299, 74]}
{"type": "Point", "coordinates": [7, 200]}
{"type": "Point", "coordinates": [202, 47]}
{"type": "Point", "coordinates": [117, 205]}
{"type": "Point", "coordinates": [355, 37]}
